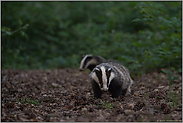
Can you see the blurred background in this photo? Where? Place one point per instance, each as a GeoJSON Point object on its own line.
{"type": "Point", "coordinates": [144, 36]}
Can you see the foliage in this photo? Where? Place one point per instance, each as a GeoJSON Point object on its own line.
{"type": "Point", "coordinates": [144, 36]}
{"type": "Point", "coordinates": [172, 95]}
{"type": "Point", "coordinates": [165, 36]}
{"type": "Point", "coordinates": [29, 101]}
{"type": "Point", "coordinates": [108, 105]}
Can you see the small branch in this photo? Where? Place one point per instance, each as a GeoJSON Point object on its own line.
{"type": "Point", "coordinates": [148, 13]}
{"type": "Point", "coordinates": [11, 33]}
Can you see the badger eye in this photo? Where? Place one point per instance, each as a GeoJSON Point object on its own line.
{"type": "Point", "coordinates": [108, 72]}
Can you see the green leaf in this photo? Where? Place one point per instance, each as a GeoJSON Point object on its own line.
{"type": "Point", "coordinates": [167, 72]}
{"type": "Point", "coordinates": [136, 20]}
{"type": "Point", "coordinates": [23, 33]}
{"type": "Point", "coordinates": [175, 77]}
{"type": "Point", "coordinates": [20, 22]}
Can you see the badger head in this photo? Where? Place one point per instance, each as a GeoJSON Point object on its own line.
{"type": "Point", "coordinates": [103, 75]}
{"type": "Point", "coordinates": [85, 62]}
{"type": "Point", "coordinates": [89, 61]}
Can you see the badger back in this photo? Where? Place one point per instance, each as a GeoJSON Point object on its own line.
{"type": "Point", "coordinates": [122, 71]}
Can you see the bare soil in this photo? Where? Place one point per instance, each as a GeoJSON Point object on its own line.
{"type": "Point", "coordinates": [66, 95]}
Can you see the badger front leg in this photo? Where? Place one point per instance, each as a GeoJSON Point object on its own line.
{"type": "Point", "coordinates": [115, 90]}
{"type": "Point", "coordinates": [96, 90]}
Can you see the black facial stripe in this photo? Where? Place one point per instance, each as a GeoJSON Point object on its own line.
{"type": "Point", "coordinates": [86, 61]}
{"type": "Point", "coordinates": [99, 76]}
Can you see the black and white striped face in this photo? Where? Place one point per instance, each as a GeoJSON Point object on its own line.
{"type": "Point", "coordinates": [103, 76]}
{"type": "Point", "coordinates": [86, 61]}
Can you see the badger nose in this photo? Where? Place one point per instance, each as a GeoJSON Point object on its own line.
{"type": "Point", "coordinates": [105, 89]}
{"type": "Point", "coordinates": [81, 69]}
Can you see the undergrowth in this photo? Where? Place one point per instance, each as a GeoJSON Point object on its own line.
{"type": "Point", "coordinates": [29, 101]}
{"type": "Point", "coordinates": [174, 97]}
{"type": "Point", "coordinates": [144, 36]}
{"type": "Point", "coordinates": [108, 105]}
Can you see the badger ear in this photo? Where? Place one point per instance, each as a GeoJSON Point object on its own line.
{"type": "Point", "coordinates": [109, 69]}
{"type": "Point", "coordinates": [83, 56]}
{"type": "Point", "coordinates": [96, 69]}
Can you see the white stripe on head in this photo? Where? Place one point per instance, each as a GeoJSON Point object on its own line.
{"type": "Point", "coordinates": [94, 76]}
{"type": "Point", "coordinates": [111, 77]}
{"type": "Point", "coordinates": [82, 62]}
{"type": "Point", "coordinates": [104, 79]}
{"type": "Point", "coordinates": [92, 61]}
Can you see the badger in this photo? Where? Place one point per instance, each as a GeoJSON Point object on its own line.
{"type": "Point", "coordinates": [112, 77]}
{"type": "Point", "coordinates": [90, 62]}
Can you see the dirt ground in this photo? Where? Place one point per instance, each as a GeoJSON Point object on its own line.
{"type": "Point", "coordinates": [66, 95]}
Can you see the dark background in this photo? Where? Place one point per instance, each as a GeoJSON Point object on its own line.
{"type": "Point", "coordinates": [144, 36]}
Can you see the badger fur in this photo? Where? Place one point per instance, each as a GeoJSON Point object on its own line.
{"type": "Point", "coordinates": [112, 77]}
{"type": "Point", "coordinates": [90, 62]}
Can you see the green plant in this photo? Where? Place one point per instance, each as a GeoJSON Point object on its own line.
{"type": "Point", "coordinates": [172, 95]}
{"type": "Point", "coordinates": [167, 118]}
{"type": "Point", "coordinates": [167, 38]}
{"type": "Point", "coordinates": [7, 31]}
{"type": "Point", "coordinates": [108, 105]}
{"type": "Point", "coordinates": [29, 101]}
{"type": "Point", "coordinates": [61, 88]}
{"type": "Point", "coordinates": [144, 36]}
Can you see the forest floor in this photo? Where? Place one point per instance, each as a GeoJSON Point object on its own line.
{"type": "Point", "coordinates": [66, 95]}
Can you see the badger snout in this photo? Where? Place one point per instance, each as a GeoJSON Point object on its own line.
{"type": "Point", "coordinates": [104, 89]}
{"type": "Point", "coordinates": [81, 69]}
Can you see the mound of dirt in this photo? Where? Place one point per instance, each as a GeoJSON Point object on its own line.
{"type": "Point", "coordinates": [66, 96]}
